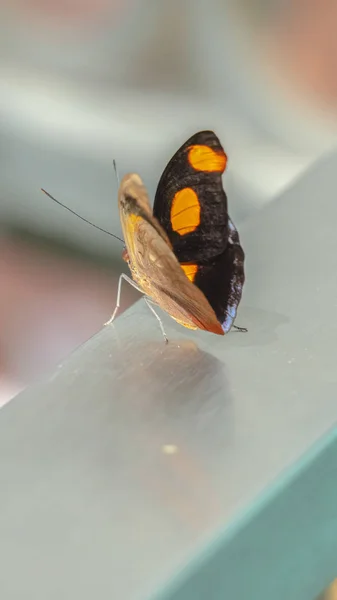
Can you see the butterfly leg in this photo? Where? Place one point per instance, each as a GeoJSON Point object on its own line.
{"type": "Point", "coordinates": [150, 305]}
{"type": "Point", "coordinates": [131, 282]}
{"type": "Point", "coordinates": [242, 329]}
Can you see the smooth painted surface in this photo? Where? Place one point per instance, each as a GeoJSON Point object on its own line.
{"type": "Point", "coordinates": [284, 546]}
{"type": "Point", "coordinates": [133, 455]}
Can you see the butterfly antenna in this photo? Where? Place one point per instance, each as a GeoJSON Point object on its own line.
{"type": "Point", "coordinates": [80, 217]}
{"type": "Point", "coordinates": [116, 172]}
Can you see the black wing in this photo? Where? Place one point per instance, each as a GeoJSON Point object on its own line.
{"type": "Point", "coordinates": [191, 205]}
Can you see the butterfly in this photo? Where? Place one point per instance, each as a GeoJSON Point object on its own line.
{"type": "Point", "coordinates": [184, 255]}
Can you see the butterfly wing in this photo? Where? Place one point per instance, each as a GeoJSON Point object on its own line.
{"type": "Point", "coordinates": [221, 280]}
{"type": "Point", "coordinates": [154, 266]}
{"type": "Point", "coordinates": [190, 202]}
{"type": "Point", "coordinates": [191, 206]}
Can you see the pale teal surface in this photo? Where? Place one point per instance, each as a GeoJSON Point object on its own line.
{"type": "Point", "coordinates": [284, 546]}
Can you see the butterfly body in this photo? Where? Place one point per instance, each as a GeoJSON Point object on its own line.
{"type": "Point", "coordinates": [186, 255]}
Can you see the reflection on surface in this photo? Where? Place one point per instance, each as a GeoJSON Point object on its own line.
{"type": "Point", "coordinates": [191, 375]}
{"type": "Point", "coordinates": [173, 409]}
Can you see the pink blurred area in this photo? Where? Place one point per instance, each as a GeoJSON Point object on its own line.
{"type": "Point", "coordinates": [8, 389]}
{"type": "Point", "coordinates": [78, 11]}
{"type": "Point", "coordinates": [49, 305]}
{"type": "Point", "coordinates": [303, 47]}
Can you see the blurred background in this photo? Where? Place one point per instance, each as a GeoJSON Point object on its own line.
{"type": "Point", "coordinates": [84, 82]}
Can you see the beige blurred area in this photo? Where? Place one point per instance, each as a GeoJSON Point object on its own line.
{"type": "Point", "coordinates": [84, 82]}
{"type": "Point", "coordinates": [330, 593]}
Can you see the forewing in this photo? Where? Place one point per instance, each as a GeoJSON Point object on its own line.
{"type": "Point", "coordinates": [190, 201]}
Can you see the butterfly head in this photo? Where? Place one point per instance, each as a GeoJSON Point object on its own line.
{"type": "Point", "coordinates": [132, 196]}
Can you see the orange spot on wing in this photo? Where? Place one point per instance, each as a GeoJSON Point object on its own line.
{"type": "Point", "coordinates": [203, 158]}
{"type": "Point", "coordinates": [190, 271]}
{"type": "Point", "coordinates": [185, 211]}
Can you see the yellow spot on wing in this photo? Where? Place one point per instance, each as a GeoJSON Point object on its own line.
{"type": "Point", "coordinates": [185, 211]}
{"type": "Point", "coordinates": [203, 158]}
{"type": "Point", "coordinates": [190, 271]}
{"type": "Point", "coordinates": [133, 219]}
